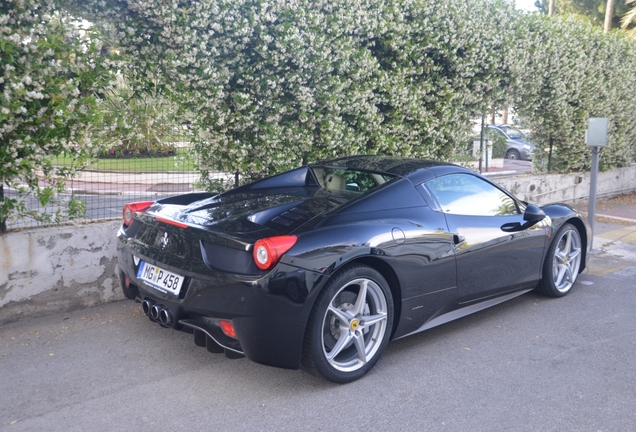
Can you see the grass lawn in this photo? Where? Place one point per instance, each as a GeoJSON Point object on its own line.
{"type": "Point", "coordinates": [182, 162]}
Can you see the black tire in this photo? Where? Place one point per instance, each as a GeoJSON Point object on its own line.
{"type": "Point", "coordinates": [337, 325]}
{"type": "Point", "coordinates": [513, 154]}
{"type": "Point", "coordinates": [562, 262]}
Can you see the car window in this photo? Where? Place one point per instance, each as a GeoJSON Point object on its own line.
{"type": "Point", "coordinates": [496, 132]}
{"type": "Point", "coordinates": [515, 134]}
{"type": "Point", "coordinates": [337, 179]}
{"type": "Point", "coordinates": [465, 194]}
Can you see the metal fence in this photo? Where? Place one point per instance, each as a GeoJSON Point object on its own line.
{"type": "Point", "coordinates": [110, 182]}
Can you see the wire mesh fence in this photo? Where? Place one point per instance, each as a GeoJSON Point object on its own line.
{"type": "Point", "coordinates": [109, 182]}
{"type": "Point", "coordinates": [163, 165]}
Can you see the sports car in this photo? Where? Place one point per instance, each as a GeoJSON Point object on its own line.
{"type": "Point", "coordinates": [321, 266]}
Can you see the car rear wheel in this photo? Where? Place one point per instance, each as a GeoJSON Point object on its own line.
{"type": "Point", "coordinates": [513, 154]}
{"type": "Point", "coordinates": [350, 325]}
{"type": "Point", "coordinates": [562, 262]}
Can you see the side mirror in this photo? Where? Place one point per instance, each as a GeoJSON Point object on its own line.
{"type": "Point", "coordinates": [533, 214]}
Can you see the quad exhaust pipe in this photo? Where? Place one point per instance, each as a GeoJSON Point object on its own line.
{"type": "Point", "coordinates": [157, 312]}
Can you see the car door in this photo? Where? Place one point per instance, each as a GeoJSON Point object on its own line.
{"type": "Point", "coordinates": [495, 249]}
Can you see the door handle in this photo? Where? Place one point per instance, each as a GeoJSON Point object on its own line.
{"type": "Point", "coordinates": [457, 239]}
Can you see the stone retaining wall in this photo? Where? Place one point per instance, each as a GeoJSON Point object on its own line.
{"type": "Point", "coordinates": [54, 269]}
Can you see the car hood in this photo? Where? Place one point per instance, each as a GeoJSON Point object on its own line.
{"type": "Point", "coordinates": [521, 141]}
{"type": "Point", "coordinates": [278, 211]}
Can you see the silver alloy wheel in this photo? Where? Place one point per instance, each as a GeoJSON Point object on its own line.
{"type": "Point", "coordinates": [354, 325]}
{"type": "Point", "coordinates": [567, 259]}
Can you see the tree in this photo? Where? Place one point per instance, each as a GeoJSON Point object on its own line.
{"type": "Point", "coordinates": [591, 9]}
{"type": "Point", "coordinates": [575, 72]}
{"type": "Point", "coordinates": [628, 22]}
{"type": "Point", "coordinates": [136, 122]}
{"type": "Point", "coordinates": [51, 69]}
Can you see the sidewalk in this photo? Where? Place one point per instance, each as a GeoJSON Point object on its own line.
{"type": "Point", "coordinates": [108, 182]}
{"type": "Point", "coordinates": [620, 207]}
{"type": "Point", "coordinates": [614, 233]}
{"type": "Point", "coordinates": [499, 167]}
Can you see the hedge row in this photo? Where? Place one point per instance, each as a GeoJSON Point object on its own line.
{"type": "Point", "coordinates": [276, 83]}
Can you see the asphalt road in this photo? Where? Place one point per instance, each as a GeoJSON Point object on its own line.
{"type": "Point", "coordinates": [531, 364]}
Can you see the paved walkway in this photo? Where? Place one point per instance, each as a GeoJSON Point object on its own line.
{"type": "Point", "coordinates": [100, 182]}
{"type": "Point", "coordinates": [614, 243]}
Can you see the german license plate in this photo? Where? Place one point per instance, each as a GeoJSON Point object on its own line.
{"type": "Point", "coordinates": [159, 278]}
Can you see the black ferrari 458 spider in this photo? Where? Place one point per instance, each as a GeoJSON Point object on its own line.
{"type": "Point", "coordinates": [321, 266]}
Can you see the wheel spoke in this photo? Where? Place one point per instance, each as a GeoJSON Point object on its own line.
{"type": "Point", "coordinates": [560, 256]}
{"type": "Point", "coordinates": [371, 320]}
{"type": "Point", "coordinates": [358, 341]}
{"type": "Point", "coordinates": [568, 273]}
{"type": "Point", "coordinates": [574, 253]}
{"type": "Point", "coordinates": [358, 308]}
{"type": "Point", "coordinates": [343, 316]}
{"type": "Point", "coordinates": [343, 341]}
{"type": "Point", "coordinates": [560, 274]}
{"type": "Point", "coordinates": [568, 242]}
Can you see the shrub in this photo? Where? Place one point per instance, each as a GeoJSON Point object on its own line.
{"type": "Point", "coordinates": [136, 123]}
{"type": "Point", "coordinates": [51, 69]}
{"type": "Point", "coordinates": [276, 84]}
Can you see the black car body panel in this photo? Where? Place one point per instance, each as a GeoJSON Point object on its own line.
{"type": "Point", "coordinates": [439, 266]}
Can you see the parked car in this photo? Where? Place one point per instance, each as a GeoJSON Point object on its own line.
{"type": "Point", "coordinates": [517, 145]}
{"type": "Point", "coordinates": [322, 265]}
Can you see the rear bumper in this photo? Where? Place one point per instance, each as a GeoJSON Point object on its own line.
{"type": "Point", "coordinates": [269, 312]}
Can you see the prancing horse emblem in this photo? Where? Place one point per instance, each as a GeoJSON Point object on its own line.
{"type": "Point", "coordinates": [164, 241]}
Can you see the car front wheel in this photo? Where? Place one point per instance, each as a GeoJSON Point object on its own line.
{"type": "Point", "coordinates": [513, 154]}
{"type": "Point", "coordinates": [562, 262]}
{"type": "Point", "coordinates": [349, 326]}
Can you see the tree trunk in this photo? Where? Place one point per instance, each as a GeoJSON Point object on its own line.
{"type": "Point", "coordinates": [550, 8]}
{"type": "Point", "coordinates": [609, 14]}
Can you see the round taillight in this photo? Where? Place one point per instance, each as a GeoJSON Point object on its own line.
{"type": "Point", "coordinates": [131, 208]}
{"type": "Point", "coordinates": [262, 255]}
{"type": "Point", "coordinates": [268, 251]}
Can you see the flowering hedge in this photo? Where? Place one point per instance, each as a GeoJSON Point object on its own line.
{"type": "Point", "coordinates": [278, 83]}
{"type": "Point", "coordinates": [50, 69]}
{"type": "Point", "coordinates": [574, 72]}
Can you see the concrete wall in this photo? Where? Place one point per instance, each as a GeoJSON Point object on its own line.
{"type": "Point", "coordinates": [550, 188]}
{"type": "Point", "coordinates": [47, 270]}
